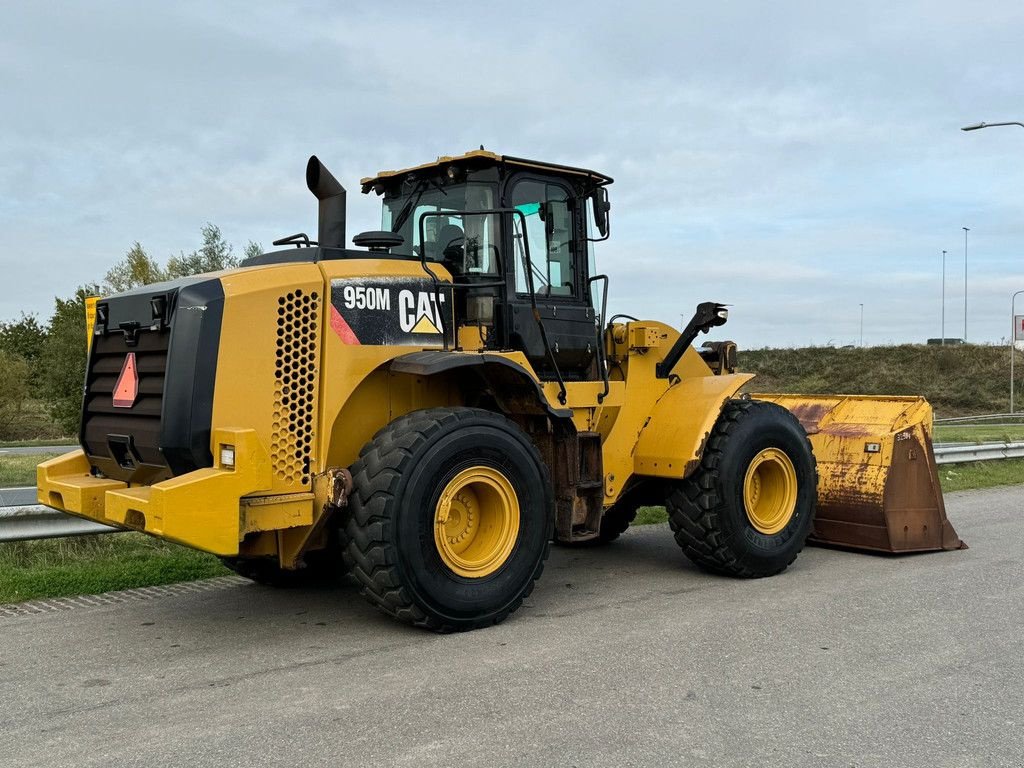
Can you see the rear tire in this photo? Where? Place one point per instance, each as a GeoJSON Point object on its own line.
{"type": "Point", "coordinates": [747, 510]}
{"type": "Point", "coordinates": [450, 519]}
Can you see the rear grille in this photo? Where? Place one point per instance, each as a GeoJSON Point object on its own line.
{"type": "Point", "coordinates": [105, 428]}
{"type": "Point", "coordinates": [295, 374]}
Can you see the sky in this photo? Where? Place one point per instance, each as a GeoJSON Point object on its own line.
{"type": "Point", "coordinates": [792, 159]}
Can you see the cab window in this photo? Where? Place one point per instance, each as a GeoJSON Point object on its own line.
{"type": "Point", "coordinates": [467, 244]}
{"type": "Point", "coordinates": [548, 218]}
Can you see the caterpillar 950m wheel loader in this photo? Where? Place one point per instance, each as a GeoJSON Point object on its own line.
{"type": "Point", "coordinates": [430, 409]}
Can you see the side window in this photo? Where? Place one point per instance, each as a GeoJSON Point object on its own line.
{"type": "Point", "coordinates": [545, 208]}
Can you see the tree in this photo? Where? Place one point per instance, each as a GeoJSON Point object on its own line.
{"type": "Point", "coordinates": [62, 362]}
{"type": "Point", "coordinates": [252, 250]}
{"type": "Point", "coordinates": [14, 389]}
{"type": "Point", "coordinates": [135, 269]}
{"type": "Point", "coordinates": [213, 255]}
{"type": "Point", "coordinates": [23, 337]}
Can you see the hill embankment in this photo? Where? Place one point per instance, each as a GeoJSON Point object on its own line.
{"type": "Point", "coordinates": [958, 381]}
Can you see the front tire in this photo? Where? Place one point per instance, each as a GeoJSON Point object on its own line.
{"type": "Point", "coordinates": [747, 510]}
{"type": "Point", "coordinates": [450, 519]}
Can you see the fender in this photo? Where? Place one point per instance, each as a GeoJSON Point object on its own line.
{"type": "Point", "coordinates": [504, 376]}
{"type": "Point", "coordinates": [672, 440]}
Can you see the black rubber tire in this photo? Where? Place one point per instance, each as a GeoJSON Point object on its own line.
{"type": "Point", "coordinates": [615, 522]}
{"type": "Point", "coordinates": [706, 511]}
{"type": "Point", "coordinates": [646, 493]}
{"type": "Point", "coordinates": [387, 528]}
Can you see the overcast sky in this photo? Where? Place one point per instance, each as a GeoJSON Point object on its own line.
{"type": "Point", "coordinates": [791, 159]}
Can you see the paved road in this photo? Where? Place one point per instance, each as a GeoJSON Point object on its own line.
{"type": "Point", "coordinates": [624, 656]}
{"type": "Point", "coordinates": [30, 450]}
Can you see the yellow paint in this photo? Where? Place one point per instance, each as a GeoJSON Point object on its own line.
{"type": "Point", "coordinates": [90, 318]}
{"type": "Point", "coordinates": [476, 522]}
{"type": "Point", "coordinates": [672, 437]}
{"type": "Point", "coordinates": [482, 154]}
{"type": "Point", "coordinates": [770, 491]}
{"type": "Point", "coordinates": [472, 338]}
{"type": "Point", "coordinates": [425, 326]}
{"type": "Point", "coordinates": [271, 513]}
{"type": "Point", "coordinates": [199, 509]}
{"type": "Point", "coordinates": [65, 482]}
{"type": "Point", "coordinates": [842, 427]}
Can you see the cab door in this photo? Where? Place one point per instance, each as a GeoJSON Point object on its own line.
{"type": "Point", "coordinates": [548, 255]}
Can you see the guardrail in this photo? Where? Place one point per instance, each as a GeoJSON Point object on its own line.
{"type": "Point", "coordinates": [21, 518]}
{"type": "Point", "coordinates": [958, 454]}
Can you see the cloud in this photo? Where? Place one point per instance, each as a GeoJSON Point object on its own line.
{"type": "Point", "coordinates": [796, 159]}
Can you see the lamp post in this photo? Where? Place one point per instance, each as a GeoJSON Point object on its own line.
{"type": "Point", "coordinates": [862, 325]}
{"type": "Point", "coordinates": [966, 230]}
{"type": "Point", "coordinates": [976, 126]}
{"type": "Point", "coordinates": [1013, 341]}
{"type": "Point", "coordinates": [1013, 330]}
{"type": "Point", "coordinates": [942, 339]}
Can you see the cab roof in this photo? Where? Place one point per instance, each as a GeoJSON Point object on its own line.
{"type": "Point", "coordinates": [481, 158]}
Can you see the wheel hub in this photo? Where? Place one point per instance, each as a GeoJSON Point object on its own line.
{"type": "Point", "coordinates": [770, 491]}
{"type": "Point", "coordinates": [476, 522]}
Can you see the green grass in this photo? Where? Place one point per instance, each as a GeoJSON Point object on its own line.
{"type": "Point", "coordinates": [68, 441]}
{"type": "Point", "coordinates": [20, 469]}
{"type": "Point", "coordinates": [88, 565]}
{"type": "Point", "coordinates": [979, 434]}
{"type": "Point", "coordinates": [953, 477]}
{"type": "Point", "coordinates": [981, 474]}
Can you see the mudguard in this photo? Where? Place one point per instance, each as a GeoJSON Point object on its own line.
{"type": "Point", "coordinates": [672, 438]}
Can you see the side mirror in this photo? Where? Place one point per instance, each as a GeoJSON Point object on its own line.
{"type": "Point", "coordinates": [600, 206]}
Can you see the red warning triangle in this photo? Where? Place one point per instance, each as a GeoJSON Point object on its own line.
{"type": "Point", "coordinates": [127, 387]}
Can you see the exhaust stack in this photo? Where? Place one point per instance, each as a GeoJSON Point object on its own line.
{"type": "Point", "coordinates": [331, 195]}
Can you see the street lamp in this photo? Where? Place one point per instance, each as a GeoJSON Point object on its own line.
{"type": "Point", "coordinates": [942, 339]}
{"type": "Point", "coordinates": [862, 325]}
{"type": "Point", "coordinates": [1013, 322]}
{"type": "Point", "coordinates": [1013, 341]}
{"type": "Point", "coordinates": [966, 230]}
{"type": "Point", "coordinates": [976, 126]}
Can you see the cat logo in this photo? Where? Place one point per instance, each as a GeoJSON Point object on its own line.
{"type": "Point", "coordinates": [420, 312]}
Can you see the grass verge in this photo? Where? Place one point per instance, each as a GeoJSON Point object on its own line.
{"type": "Point", "coordinates": [1006, 433]}
{"type": "Point", "coordinates": [20, 469]}
{"type": "Point", "coordinates": [88, 565]}
{"type": "Point", "coordinates": [68, 441]}
{"type": "Point", "coordinates": [954, 477]}
{"type": "Point", "coordinates": [981, 474]}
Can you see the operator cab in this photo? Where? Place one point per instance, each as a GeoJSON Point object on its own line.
{"type": "Point", "coordinates": [516, 236]}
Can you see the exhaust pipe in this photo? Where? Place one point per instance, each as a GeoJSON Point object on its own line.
{"type": "Point", "coordinates": [331, 195]}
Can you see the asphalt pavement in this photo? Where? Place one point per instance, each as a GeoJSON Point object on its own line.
{"type": "Point", "coordinates": [623, 656]}
{"type": "Point", "coordinates": [31, 450]}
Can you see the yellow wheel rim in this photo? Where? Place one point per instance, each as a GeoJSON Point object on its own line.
{"type": "Point", "coordinates": [769, 491]}
{"type": "Point", "coordinates": [476, 522]}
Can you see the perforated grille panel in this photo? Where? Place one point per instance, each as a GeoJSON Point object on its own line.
{"type": "Point", "coordinates": [295, 386]}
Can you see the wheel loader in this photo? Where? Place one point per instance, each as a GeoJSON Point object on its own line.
{"type": "Point", "coordinates": [428, 410]}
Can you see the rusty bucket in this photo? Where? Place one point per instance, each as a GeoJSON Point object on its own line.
{"type": "Point", "coordinates": [878, 484]}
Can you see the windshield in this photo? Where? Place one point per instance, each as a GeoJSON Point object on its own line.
{"type": "Point", "coordinates": [467, 244]}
